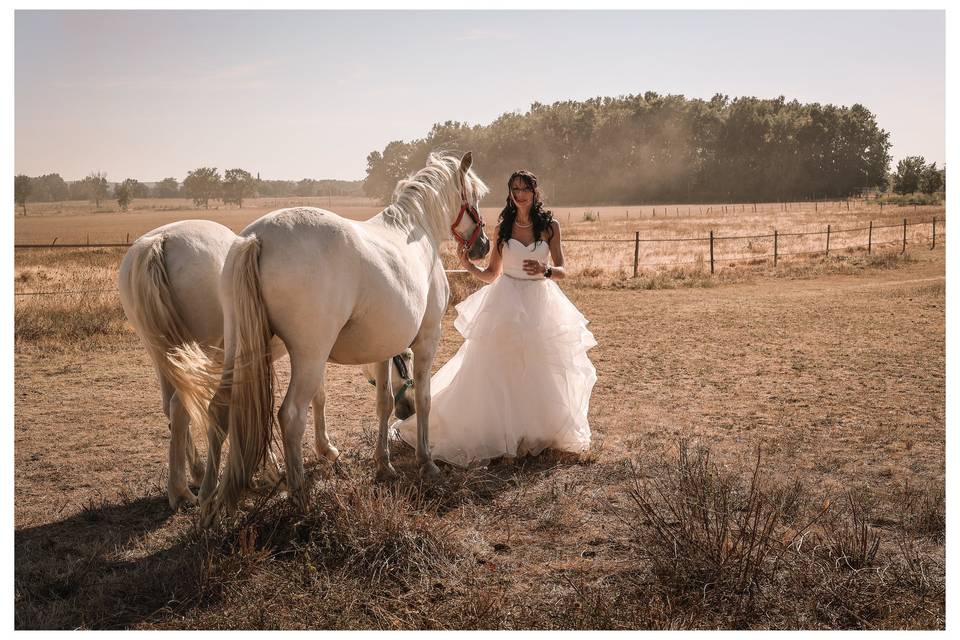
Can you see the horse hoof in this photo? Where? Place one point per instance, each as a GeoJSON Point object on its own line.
{"type": "Point", "coordinates": [387, 473]}
{"type": "Point", "coordinates": [330, 454]}
{"type": "Point", "coordinates": [181, 499]}
{"type": "Point", "coordinates": [429, 470]}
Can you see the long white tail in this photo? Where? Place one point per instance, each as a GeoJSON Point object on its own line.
{"type": "Point", "coordinates": [251, 375]}
{"type": "Point", "coordinates": [177, 355]}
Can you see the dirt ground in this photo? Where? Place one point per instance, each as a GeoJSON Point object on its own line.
{"type": "Point", "coordinates": [838, 379]}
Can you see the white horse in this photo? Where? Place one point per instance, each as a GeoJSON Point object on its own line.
{"type": "Point", "coordinates": [334, 289]}
{"type": "Point", "coordinates": [168, 283]}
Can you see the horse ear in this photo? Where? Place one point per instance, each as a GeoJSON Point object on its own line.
{"type": "Point", "coordinates": [466, 161]}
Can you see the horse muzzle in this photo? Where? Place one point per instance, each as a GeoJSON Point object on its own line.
{"type": "Point", "coordinates": [480, 247]}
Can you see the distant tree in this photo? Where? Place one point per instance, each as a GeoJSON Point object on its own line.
{"type": "Point", "coordinates": [140, 190]}
{"type": "Point", "coordinates": [202, 184]}
{"type": "Point", "coordinates": [125, 192]}
{"type": "Point", "coordinates": [906, 179]}
{"type": "Point", "coordinates": [168, 188]}
{"type": "Point", "coordinates": [98, 186]}
{"type": "Point", "coordinates": [49, 188]}
{"type": "Point", "coordinates": [932, 179]}
{"type": "Point", "coordinates": [80, 190]}
{"type": "Point", "coordinates": [237, 185]}
{"type": "Point", "coordinates": [21, 190]}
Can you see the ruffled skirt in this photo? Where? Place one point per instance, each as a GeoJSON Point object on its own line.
{"type": "Point", "coordinates": [519, 384]}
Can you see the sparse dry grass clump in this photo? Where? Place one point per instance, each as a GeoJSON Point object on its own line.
{"type": "Point", "coordinates": [66, 297]}
{"type": "Point", "coordinates": [733, 553]}
{"type": "Point", "coordinates": [372, 531]}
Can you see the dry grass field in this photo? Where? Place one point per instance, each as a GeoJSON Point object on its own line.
{"type": "Point", "coordinates": [768, 452]}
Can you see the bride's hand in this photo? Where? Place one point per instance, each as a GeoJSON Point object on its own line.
{"type": "Point", "coordinates": [533, 267]}
{"type": "Point", "coordinates": [462, 255]}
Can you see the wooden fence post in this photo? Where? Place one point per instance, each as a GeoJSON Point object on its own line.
{"type": "Point", "coordinates": [636, 254]}
{"type": "Point", "coordinates": [711, 251]}
{"type": "Point", "coordinates": [870, 238]}
{"type": "Point", "coordinates": [128, 238]}
{"type": "Point", "coordinates": [904, 250]}
{"type": "Point", "coordinates": [934, 233]}
{"type": "Point", "coordinates": [775, 237]}
{"type": "Point", "coordinates": [828, 240]}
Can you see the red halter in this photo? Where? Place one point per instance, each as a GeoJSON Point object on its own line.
{"type": "Point", "coordinates": [470, 210]}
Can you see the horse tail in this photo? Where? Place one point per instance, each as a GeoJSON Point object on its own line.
{"type": "Point", "coordinates": [176, 354]}
{"type": "Point", "coordinates": [250, 423]}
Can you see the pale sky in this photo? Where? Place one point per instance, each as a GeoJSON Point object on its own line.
{"type": "Point", "coordinates": [290, 95]}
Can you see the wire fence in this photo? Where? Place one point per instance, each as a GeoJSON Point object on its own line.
{"type": "Point", "coordinates": [758, 248]}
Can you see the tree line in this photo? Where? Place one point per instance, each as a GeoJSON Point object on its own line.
{"type": "Point", "coordinates": [663, 148]}
{"type": "Point", "coordinates": [201, 185]}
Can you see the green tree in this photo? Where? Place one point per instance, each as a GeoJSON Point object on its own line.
{"type": "Point", "coordinates": [237, 185]}
{"type": "Point", "coordinates": [125, 192]}
{"type": "Point", "coordinates": [21, 190]}
{"type": "Point", "coordinates": [907, 177]}
{"type": "Point", "coordinates": [49, 188]}
{"type": "Point", "coordinates": [932, 179]}
{"type": "Point", "coordinates": [652, 148]}
{"type": "Point", "coordinates": [202, 185]}
{"type": "Point", "coordinates": [80, 190]}
{"type": "Point", "coordinates": [98, 186]}
{"type": "Point", "coordinates": [168, 188]}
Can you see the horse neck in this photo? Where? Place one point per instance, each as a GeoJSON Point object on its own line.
{"type": "Point", "coordinates": [406, 216]}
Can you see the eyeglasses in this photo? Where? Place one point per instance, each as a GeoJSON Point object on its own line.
{"type": "Point", "coordinates": [516, 191]}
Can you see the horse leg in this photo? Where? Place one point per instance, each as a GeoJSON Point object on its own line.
{"type": "Point", "coordinates": [306, 377]}
{"type": "Point", "coordinates": [424, 350]}
{"type": "Point", "coordinates": [217, 422]}
{"type": "Point", "coordinates": [381, 456]}
{"type": "Point", "coordinates": [177, 490]}
{"type": "Point", "coordinates": [325, 450]}
{"type": "Point", "coordinates": [194, 463]}
{"type": "Point", "coordinates": [178, 493]}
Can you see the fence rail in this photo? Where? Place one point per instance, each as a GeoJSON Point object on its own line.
{"type": "Point", "coordinates": [712, 239]}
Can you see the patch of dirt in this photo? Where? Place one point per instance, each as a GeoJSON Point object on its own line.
{"type": "Point", "coordinates": [839, 380]}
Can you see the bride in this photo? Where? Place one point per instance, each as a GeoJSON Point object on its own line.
{"type": "Point", "coordinates": [521, 381]}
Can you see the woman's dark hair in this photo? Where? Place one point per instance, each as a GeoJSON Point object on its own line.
{"type": "Point", "coordinates": [541, 218]}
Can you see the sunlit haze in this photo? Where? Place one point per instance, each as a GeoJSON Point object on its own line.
{"type": "Point", "coordinates": [290, 95]}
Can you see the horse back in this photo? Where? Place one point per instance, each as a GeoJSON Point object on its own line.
{"type": "Point", "coordinates": [323, 275]}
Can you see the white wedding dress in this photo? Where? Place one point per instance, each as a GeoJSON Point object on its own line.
{"type": "Point", "coordinates": [521, 381]}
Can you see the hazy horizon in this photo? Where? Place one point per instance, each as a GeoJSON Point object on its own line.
{"type": "Point", "coordinates": [294, 94]}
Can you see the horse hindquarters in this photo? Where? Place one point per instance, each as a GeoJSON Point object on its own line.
{"type": "Point", "coordinates": [186, 389]}
{"type": "Point", "coordinates": [248, 370]}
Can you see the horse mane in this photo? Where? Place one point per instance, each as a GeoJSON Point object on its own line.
{"type": "Point", "coordinates": [428, 195]}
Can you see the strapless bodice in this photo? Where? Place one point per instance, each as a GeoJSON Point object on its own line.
{"type": "Point", "coordinates": [515, 252]}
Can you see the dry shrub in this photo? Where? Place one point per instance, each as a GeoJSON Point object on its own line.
{"type": "Point", "coordinates": [709, 537]}
{"type": "Point", "coordinates": [852, 542]}
{"type": "Point", "coordinates": [735, 553]}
